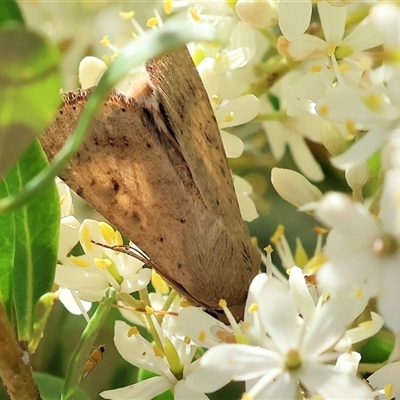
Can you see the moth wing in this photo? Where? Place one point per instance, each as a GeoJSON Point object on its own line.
{"type": "Point", "coordinates": [124, 172]}
{"type": "Point", "coordinates": [193, 123]}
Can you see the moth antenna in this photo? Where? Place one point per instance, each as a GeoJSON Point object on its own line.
{"type": "Point", "coordinates": [126, 249]}
{"type": "Point", "coordinates": [144, 310]}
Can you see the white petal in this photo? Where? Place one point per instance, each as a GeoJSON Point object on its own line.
{"type": "Point", "coordinates": [329, 383]}
{"type": "Point", "coordinates": [282, 388]}
{"type": "Point", "coordinates": [241, 361]}
{"type": "Point", "coordinates": [294, 187]}
{"type": "Point", "coordinates": [278, 314]}
{"type": "Point", "coordinates": [348, 362]}
{"type": "Point", "coordinates": [364, 36]}
{"type": "Point", "coordinates": [69, 236]}
{"type": "Point", "coordinates": [208, 379]}
{"type": "Point", "coordinates": [294, 17]}
{"type": "Point", "coordinates": [389, 296]}
{"type": "Point", "coordinates": [305, 47]}
{"type": "Point", "coordinates": [246, 205]}
{"type": "Point", "coordinates": [260, 14]}
{"type": "Point", "coordinates": [352, 219]}
{"type": "Point", "coordinates": [90, 71]}
{"type": "Point", "coordinates": [136, 282]}
{"type": "Point", "coordinates": [366, 329]}
{"type": "Point", "coordinates": [387, 375]}
{"type": "Point", "coordinates": [304, 159]}
{"type": "Point", "coordinates": [333, 20]}
{"type": "Point", "coordinates": [233, 145]}
{"type": "Point", "coordinates": [276, 136]}
{"type": "Point", "coordinates": [389, 203]}
{"type": "Point", "coordinates": [244, 109]}
{"type": "Point", "coordinates": [193, 321]}
{"type": "Point", "coordinates": [144, 390]}
{"type": "Point", "coordinates": [328, 325]}
{"type": "Point", "coordinates": [135, 349]}
{"type": "Point", "coordinates": [386, 16]}
{"type": "Point", "coordinates": [69, 302]}
{"type": "Point", "coordinates": [182, 392]}
{"type": "Point", "coordinates": [362, 149]}
{"type": "Point", "coordinates": [298, 288]}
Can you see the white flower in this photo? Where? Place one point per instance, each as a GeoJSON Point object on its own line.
{"type": "Point", "coordinates": [290, 132]}
{"type": "Point", "coordinates": [362, 249]}
{"type": "Point", "coordinates": [91, 274]}
{"type": "Point", "coordinates": [172, 363]}
{"type": "Point", "coordinates": [260, 14]}
{"type": "Point", "coordinates": [387, 378]}
{"type": "Point", "coordinates": [295, 353]}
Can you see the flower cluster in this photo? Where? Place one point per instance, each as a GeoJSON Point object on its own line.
{"type": "Point", "coordinates": [327, 73]}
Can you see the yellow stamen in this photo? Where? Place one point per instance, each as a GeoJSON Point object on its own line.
{"type": "Point", "coordinates": [202, 336]}
{"type": "Point", "coordinates": [315, 68]}
{"type": "Point", "coordinates": [118, 239]}
{"type": "Point", "coordinates": [187, 340]}
{"type": "Point", "coordinates": [168, 6]}
{"type": "Point", "coordinates": [388, 390]}
{"type": "Point", "coordinates": [80, 261]}
{"type": "Point", "coordinates": [158, 283]}
{"type": "Point", "coordinates": [320, 230]}
{"type": "Point", "coordinates": [300, 257]}
{"type": "Point", "coordinates": [133, 331]}
{"type": "Point", "coordinates": [351, 126]}
{"type": "Point", "coordinates": [323, 110]}
{"type": "Point", "coordinates": [222, 303]}
{"type": "Point", "coordinates": [153, 21]}
{"type": "Point", "coordinates": [149, 310]}
{"type": "Point", "coordinates": [373, 101]}
{"type": "Point", "coordinates": [330, 50]}
{"type": "Point", "coordinates": [216, 99]}
{"type": "Point", "coordinates": [268, 249]}
{"type": "Point", "coordinates": [276, 237]}
{"type": "Point", "coordinates": [253, 308]}
{"type": "Point", "coordinates": [194, 14]}
{"type": "Point", "coordinates": [62, 199]}
{"type": "Point", "coordinates": [230, 116]}
{"type": "Point", "coordinates": [85, 237]}
{"type": "Point", "coordinates": [185, 303]}
{"type": "Point", "coordinates": [107, 232]}
{"type": "Point", "coordinates": [158, 352]}
{"type": "Point", "coordinates": [344, 67]}
{"type": "Point", "coordinates": [316, 263]}
{"type": "Point", "coordinates": [102, 262]}
{"type": "Point", "coordinates": [105, 41]}
{"type": "Point", "coordinates": [127, 15]}
{"type": "Point", "coordinates": [359, 293]}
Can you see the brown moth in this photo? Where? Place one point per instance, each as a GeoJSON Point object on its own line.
{"type": "Point", "coordinates": [153, 164]}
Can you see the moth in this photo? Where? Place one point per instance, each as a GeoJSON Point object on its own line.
{"type": "Point", "coordinates": [153, 164]}
{"type": "Point", "coordinates": [96, 356]}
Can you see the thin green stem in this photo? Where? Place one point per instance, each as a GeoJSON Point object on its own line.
{"type": "Point", "coordinates": [85, 345]}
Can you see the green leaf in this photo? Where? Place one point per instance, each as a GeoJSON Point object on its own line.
{"type": "Point", "coordinates": [29, 87]}
{"type": "Point", "coordinates": [50, 387]}
{"type": "Point", "coordinates": [36, 239]}
{"type": "Point", "coordinates": [7, 246]}
{"type": "Point", "coordinates": [9, 11]}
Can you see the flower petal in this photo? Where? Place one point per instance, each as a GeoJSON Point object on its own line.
{"type": "Point", "coordinates": [330, 383]}
{"type": "Point", "coordinates": [294, 17]}
{"type": "Point", "coordinates": [144, 390]}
